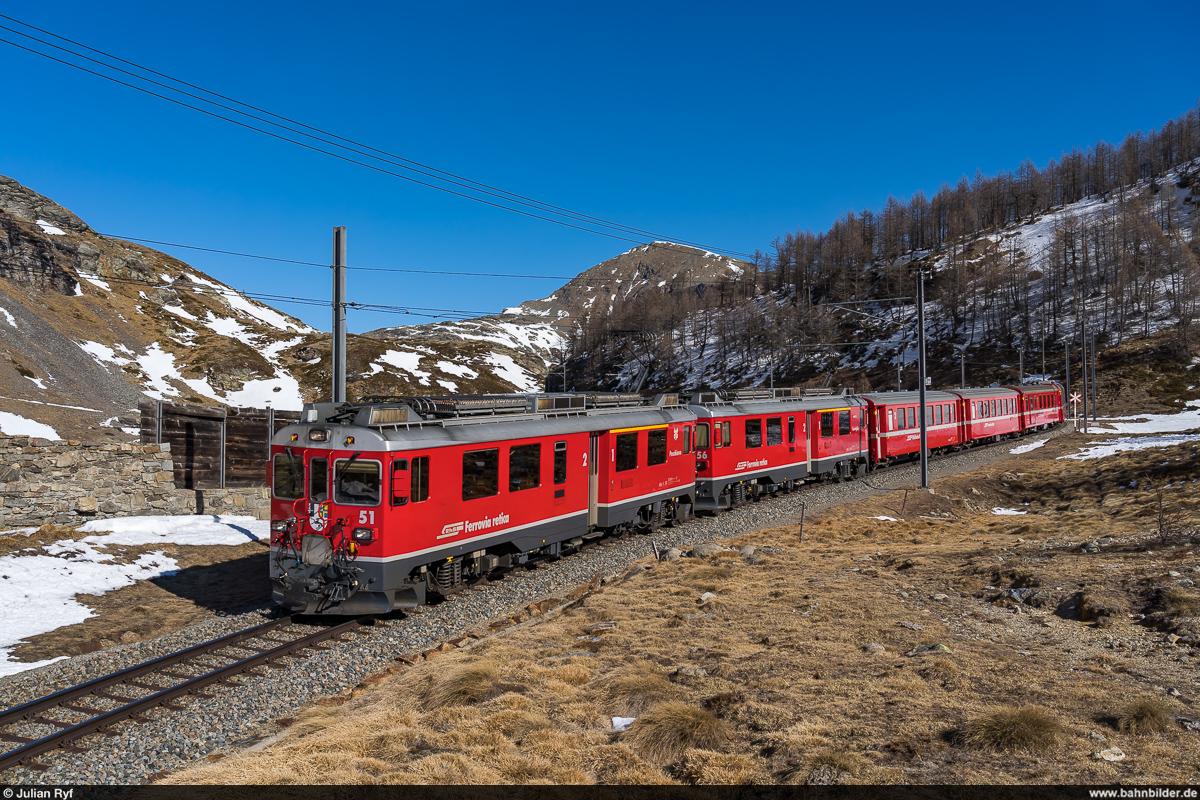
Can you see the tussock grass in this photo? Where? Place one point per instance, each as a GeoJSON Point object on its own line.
{"type": "Point", "coordinates": [1144, 716]}
{"type": "Point", "coordinates": [841, 760]}
{"type": "Point", "coordinates": [1026, 728]}
{"type": "Point", "coordinates": [724, 769]}
{"type": "Point", "coordinates": [634, 690]}
{"type": "Point", "coordinates": [1179, 603]}
{"type": "Point", "coordinates": [944, 673]}
{"type": "Point", "coordinates": [671, 728]}
{"type": "Point", "coordinates": [467, 683]}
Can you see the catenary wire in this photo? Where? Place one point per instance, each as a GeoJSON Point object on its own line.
{"type": "Point", "coordinates": [328, 266]}
{"type": "Point", "coordinates": [512, 198]}
{"type": "Point", "coordinates": [493, 190]}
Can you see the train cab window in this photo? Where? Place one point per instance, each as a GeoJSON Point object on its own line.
{"type": "Point", "coordinates": [826, 423]}
{"type": "Point", "coordinates": [726, 434]}
{"type": "Point", "coordinates": [287, 476]}
{"type": "Point", "coordinates": [656, 447]}
{"type": "Point", "coordinates": [400, 483]}
{"type": "Point", "coordinates": [420, 479]}
{"type": "Point", "coordinates": [791, 430]}
{"type": "Point", "coordinates": [843, 422]}
{"type": "Point", "coordinates": [481, 474]}
{"type": "Point", "coordinates": [357, 483]}
{"type": "Point", "coordinates": [626, 455]}
{"type": "Point", "coordinates": [937, 415]}
{"type": "Point", "coordinates": [524, 467]}
{"type": "Point", "coordinates": [318, 480]}
{"type": "Point", "coordinates": [774, 431]}
{"type": "Point", "coordinates": [862, 418]}
{"type": "Point", "coordinates": [753, 433]}
{"type": "Point", "coordinates": [701, 435]}
{"type": "Point", "coordinates": [560, 463]}
{"type": "Point", "coordinates": [687, 440]}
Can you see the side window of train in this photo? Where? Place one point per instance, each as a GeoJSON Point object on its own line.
{"type": "Point", "coordinates": [753, 433]}
{"type": "Point", "coordinates": [937, 414]}
{"type": "Point", "coordinates": [891, 419]}
{"type": "Point", "coordinates": [726, 433]}
{"type": "Point", "coordinates": [420, 479]}
{"type": "Point", "coordinates": [862, 418]}
{"type": "Point", "coordinates": [928, 415]}
{"type": "Point", "coordinates": [400, 484]}
{"type": "Point", "coordinates": [287, 476]}
{"type": "Point", "coordinates": [560, 463]}
{"type": "Point", "coordinates": [524, 467]}
{"type": "Point", "coordinates": [357, 482]}
{"type": "Point", "coordinates": [701, 435]}
{"type": "Point", "coordinates": [318, 480]}
{"type": "Point", "coordinates": [687, 440]}
{"type": "Point", "coordinates": [826, 423]}
{"type": "Point", "coordinates": [656, 447]}
{"type": "Point", "coordinates": [843, 422]}
{"type": "Point", "coordinates": [774, 431]}
{"type": "Point", "coordinates": [481, 474]}
{"type": "Point", "coordinates": [791, 430]}
{"type": "Point", "coordinates": [626, 455]}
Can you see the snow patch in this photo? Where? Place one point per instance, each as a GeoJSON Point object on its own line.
{"type": "Point", "coordinates": [1126, 443]}
{"type": "Point", "coordinates": [457, 369]}
{"type": "Point", "coordinates": [180, 311]}
{"type": "Point", "coordinates": [1008, 512]}
{"type": "Point", "coordinates": [8, 317]}
{"type": "Point", "coordinates": [16, 425]}
{"type": "Point", "coordinates": [50, 229]}
{"type": "Point", "coordinates": [509, 370]}
{"type": "Point", "coordinates": [1025, 448]}
{"type": "Point", "coordinates": [408, 362]}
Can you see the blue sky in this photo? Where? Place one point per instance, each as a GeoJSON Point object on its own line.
{"type": "Point", "coordinates": [727, 125]}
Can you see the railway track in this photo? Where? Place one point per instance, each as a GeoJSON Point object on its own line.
{"type": "Point", "coordinates": [57, 720]}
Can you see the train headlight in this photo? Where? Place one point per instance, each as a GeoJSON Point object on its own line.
{"type": "Point", "coordinates": [318, 435]}
{"type": "Point", "coordinates": [701, 466]}
{"type": "Point", "coordinates": [279, 525]}
{"type": "Point", "coordinates": [363, 535]}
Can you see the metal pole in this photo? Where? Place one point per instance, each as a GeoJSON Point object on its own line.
{"type": "Point", "coordinates": [1066, 369]}
{"type": "Point", "coordinates": [338, 360]}
{"type": "Point", "coordinates": [963, 355]}
{"type": "Point", "coordinates": [1093, 345]}
{"type": "Point", "coordinates": [1083, 376]}
{"type": "Point", "coordinates": [1021, 369]}
{"type": "Point", "coordinates": [899, 356]}
{"type": "Point", "coordinates": [921, 378]}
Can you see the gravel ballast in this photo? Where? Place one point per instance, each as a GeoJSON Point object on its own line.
{"type": "Point", "coordinates": [236, 715]}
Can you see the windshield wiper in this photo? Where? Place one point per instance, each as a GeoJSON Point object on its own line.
{"type": "Point", "coordinates": [342, 473]}
{"type": "Point", "coordinates": [295, 472]}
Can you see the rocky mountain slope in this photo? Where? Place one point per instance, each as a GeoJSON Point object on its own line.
{"type": "Point", "coordinates": [89, 325]}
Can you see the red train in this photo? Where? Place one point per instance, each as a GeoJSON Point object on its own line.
{"type": "Point", "coordinates": [379, 504]}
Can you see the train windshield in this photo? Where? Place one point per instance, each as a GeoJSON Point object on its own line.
{"type": "Point", "coordinates": [287, 476]}
{"type": "Point", "coordinates": [358, 483]}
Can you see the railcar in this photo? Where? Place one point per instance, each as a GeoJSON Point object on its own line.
{"type": "Point", "coordinates": [377, 505]}
{"type": "Point", "coordinates": [988, 414]}
{"type": "Point", "coordinates": [752, 442]}
{"type": "Point", "coordinates": [895, 425]}
{"type": "Point", "coordinates": [1040, 406]}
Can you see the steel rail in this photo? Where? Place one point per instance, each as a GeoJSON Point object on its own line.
{"type": "Point", "coordinates": [163, 697]}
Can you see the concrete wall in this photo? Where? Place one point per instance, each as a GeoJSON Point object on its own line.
{"type": "Point", "coordinates": [43, 481]}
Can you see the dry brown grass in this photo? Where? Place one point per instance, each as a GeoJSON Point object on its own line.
{"type": "Point", "coordinates": [670, 728]}
{"type": "Point", "coordinates": [1145, 716]}
{"type": "Point", "coordinates": [1179, 602]}
{"type": "Point", "coordinates": [1027, 729]}
{"type": "Point", "coordinates": [632, 691]}
{"type": "Point", "coordinates": [468, 683]}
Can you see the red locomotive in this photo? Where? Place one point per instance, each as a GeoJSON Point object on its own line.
{"type": "Point", "coordinates": [376, 505]}
{"type": "Point", "coordinates": [380, 504]}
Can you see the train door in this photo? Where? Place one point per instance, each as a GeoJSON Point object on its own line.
{"type": "Point", "coordinates": [593, 476]}
{"type": "Point", "coordinates": [408, 483]}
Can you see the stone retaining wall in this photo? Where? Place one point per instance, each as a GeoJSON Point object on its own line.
{"type": "Point", "coordinates": [43, 481]}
